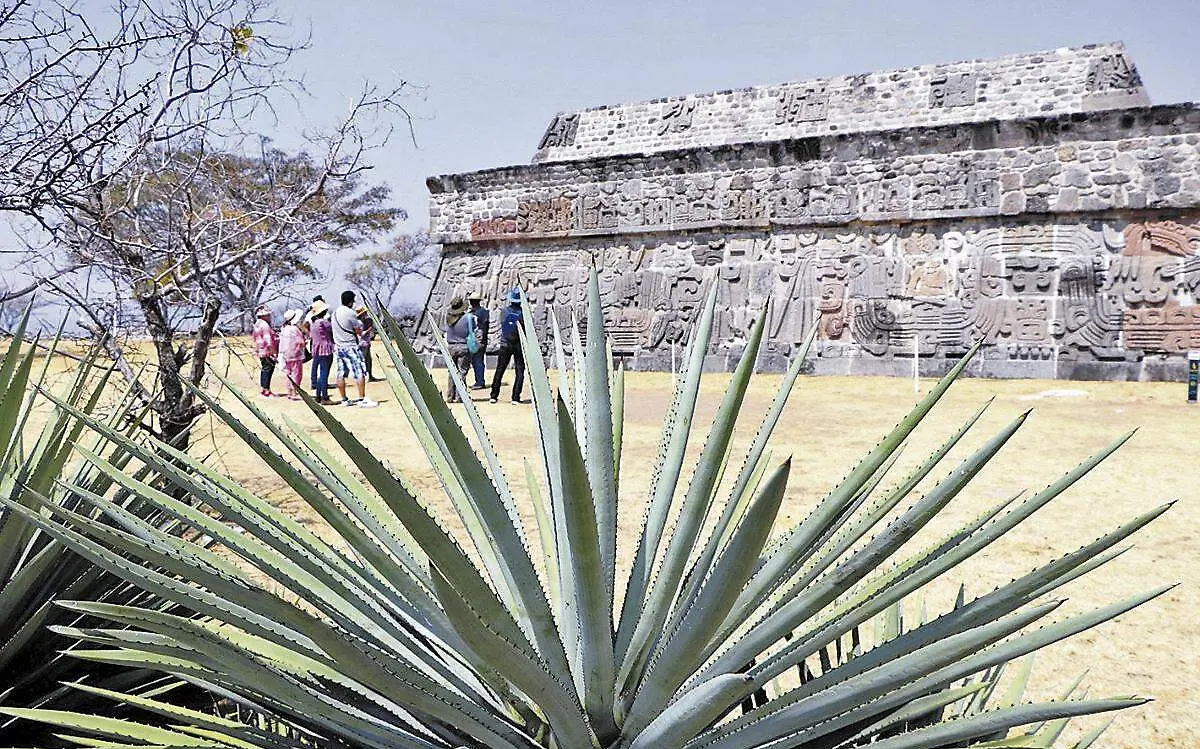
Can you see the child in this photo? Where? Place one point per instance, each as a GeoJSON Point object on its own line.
{"type": "Point", "coordinates": [291, 351]}
{"type": "Point", "coordinates": [320, 336]}
{"type": "Point", "coordinates": [266, 345]}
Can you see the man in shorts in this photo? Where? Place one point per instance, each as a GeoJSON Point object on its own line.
{"type": "Point", "coordinates": [347, 358]}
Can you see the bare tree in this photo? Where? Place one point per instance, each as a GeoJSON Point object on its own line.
{"type": "Point", "coordinates": [109, 130]}
{"type": "Point", "coordinates": [380, 275]}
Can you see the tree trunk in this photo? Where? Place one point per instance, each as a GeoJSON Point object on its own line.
{"type": "Point", "coordinates": [176, 406]}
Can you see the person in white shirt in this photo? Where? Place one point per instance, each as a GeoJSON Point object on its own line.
{"type": "Point", "coordinates": [348, 358]}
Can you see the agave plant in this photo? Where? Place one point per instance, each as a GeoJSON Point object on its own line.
{"type": "Point", "coordinates": [725, 632]}
{"type": "Point", "coordinates": [35, 570]}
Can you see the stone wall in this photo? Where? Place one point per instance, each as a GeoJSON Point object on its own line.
{"type": "Point", "coordinates": [1069, 243]}
{"type": "Point", "coordinates": [1070, 163]}
{"type": "Point", "coordinates": [1085, 298]}
{"type": "Point", "coordinates": [1061, 81]}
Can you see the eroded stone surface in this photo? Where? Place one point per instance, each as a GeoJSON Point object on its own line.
{"type": "Point", "coordinates": [1068, 243]}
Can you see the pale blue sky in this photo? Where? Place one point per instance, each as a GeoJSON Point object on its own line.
{"type": "Point", "coordinates": [495, 73]}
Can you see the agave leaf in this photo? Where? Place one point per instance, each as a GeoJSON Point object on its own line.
{"type": "Point", "coordinates": [599, 455]}
{"type": "Point", "coordinates": [675, 658]}
{"type": "Point", "coordinates": [1023, 644]}
{"type": "Point", "coordinates": [752, 468]}
{"type": "Point", "coordinates": [546, 415]}
{"type": "Point", "coordinates": [782, 561]}
{"type": "Point", "coordinates": [691, 713]}
{"type": "Point", "coordinates": [692, 513]}
{"type": "Point", "coordinates": [618, 422]}
{"type": "Point", "coordinates": [794, 612]}
{"type": "Point", "coordinates": [595, 621]}
{"type": "Point", "coordinates": [110, 727]}
{"type": "Point", "coordinates": [992, 721]}
{"type": "Point", "coordinates": [916, 709]}
{"type": "Point", "coordinates": [665, 476]}
{"type": "Point", "coordinates": [532, 677]}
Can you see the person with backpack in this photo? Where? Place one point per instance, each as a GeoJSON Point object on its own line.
{"type": "Point", "coordinates": [483, 321]}
{"type": "Point", "coordinates": [462, 340]}
{"type": "Point", "coordinates": [510, 348]}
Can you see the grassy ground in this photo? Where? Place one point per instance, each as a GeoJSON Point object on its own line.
{"type": "Point", "coordinates": [830, 422]}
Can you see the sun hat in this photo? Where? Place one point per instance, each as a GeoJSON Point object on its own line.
{"type": "Point", "coordinates": [457, 305]}
{"type": "Point", "coordinates": [291, 315]}
{"type": "Point", "coordinates": [263, 311]}
{"type": "Point", "coordinates": [318, 307]}
{"type": "Point", "coordinates": [475, 296]}
{"type": "Point", "coordinates": [514, 297]}
{"type": "Point", "coordinates": [360, 309]}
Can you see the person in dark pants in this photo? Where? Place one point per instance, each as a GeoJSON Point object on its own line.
{"type": "Point", "coordinates": [305, 325]}
{"type": "Point", "coordinates": [459, 325]}
{"type": "Point", "coordinates": [483, 321]}
{"type": "Point", "coordinates": [365, 336]}
{"type": "Point", "coordinates": [510, 348]}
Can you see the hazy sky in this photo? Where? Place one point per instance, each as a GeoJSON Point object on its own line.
{"type": "Point", "coordinates": [495, 73]}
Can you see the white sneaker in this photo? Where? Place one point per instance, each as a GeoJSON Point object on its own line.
{"type": "Point", "coordinates": [367, 403]}
{"type": "Point", "coordinates": [348, 402]}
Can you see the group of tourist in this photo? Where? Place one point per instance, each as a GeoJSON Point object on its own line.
{"type": "Point", "coordinates": [467, 331]}
{"type": "Point", "coordinates": [340, 338]}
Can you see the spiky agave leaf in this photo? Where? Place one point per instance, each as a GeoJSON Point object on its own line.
{"type": "Point", "coordinates": [36, 465]}
{"type": "Point", "coordinates": [419, 637]}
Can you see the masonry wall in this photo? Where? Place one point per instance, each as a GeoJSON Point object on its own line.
{"type": "Point", "coordinates": [1062, 81]}
{"type": "Point", "coordinates": [1090, 297]}
{"type": "Point", "coordinates": [1068, 243]}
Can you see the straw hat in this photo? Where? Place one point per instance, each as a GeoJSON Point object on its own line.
{"type": "Point", "coordinates": [291, 315]}
{"type": "Point", "coordinates": [318, 307]}
{"type": "Point", "coordinates": [360, 310]}
{"type": "Point", "coordinates": [457, 306]}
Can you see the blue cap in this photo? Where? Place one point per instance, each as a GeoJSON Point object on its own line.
{"type": "Point", "coordinates": [514, 296]}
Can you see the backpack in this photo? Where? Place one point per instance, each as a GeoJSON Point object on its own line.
{"type": "Point", "coordinates": [472, 335]}
{"type": "Point", "coordinates": [509, 325]}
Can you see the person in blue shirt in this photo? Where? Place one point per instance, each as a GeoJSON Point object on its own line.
{"type": "Point", "coordinates": [483, 321]}
{"type": "Point", "coordinates": [510, 348]}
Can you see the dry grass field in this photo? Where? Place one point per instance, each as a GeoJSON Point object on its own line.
{"type": "Point", "coordinates": [830, 422]}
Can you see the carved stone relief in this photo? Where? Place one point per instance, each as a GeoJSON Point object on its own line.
{"type": "Point", "coordinates": [1092, 291]}
{"type": "Point", "coordinates": [952, 90]}
{"type": "Point", "coordinates": [1112, 72]}
{"type": "Point", "coordinates": [561, 131]}
{"type": "Point", "coordinates": [801, 105]}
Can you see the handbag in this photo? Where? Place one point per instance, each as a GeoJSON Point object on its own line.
{"type": "Point", "coordinates": [472, 338]}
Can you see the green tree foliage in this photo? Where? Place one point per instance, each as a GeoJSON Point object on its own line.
{"type": "Point", "coordinates": [402, 634]}
{"type": "Point", "coordinates": [381, 274]}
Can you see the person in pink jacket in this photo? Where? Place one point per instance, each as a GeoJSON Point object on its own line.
{"type": "Point", "coordinates": [291, 351]}
{"type": "Point", "coordinates": [266, 345]}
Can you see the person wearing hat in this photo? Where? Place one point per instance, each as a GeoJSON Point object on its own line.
{"type": "Point", "coordinates": [291, 351]}
{"type": "Point", "coordinates": [320, 343]}
{"type": "Point", "coordinates": [266, 345]}
{"type": "Point", "coordinates": [347, 355]}
{"type": "Point", "coordinates": [510, 348]}
{"type": "Point", "coordinates": [483, 321]}
{"type": "Point", "coordinates": [365, 336]}
{"type": "Point", "coordinates": [460, 325]}
{"type": "Point", "coordinates": [305, 326]}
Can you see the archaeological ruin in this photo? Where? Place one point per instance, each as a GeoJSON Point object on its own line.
{"type": "Point", "coordinates": [1037, 203]}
